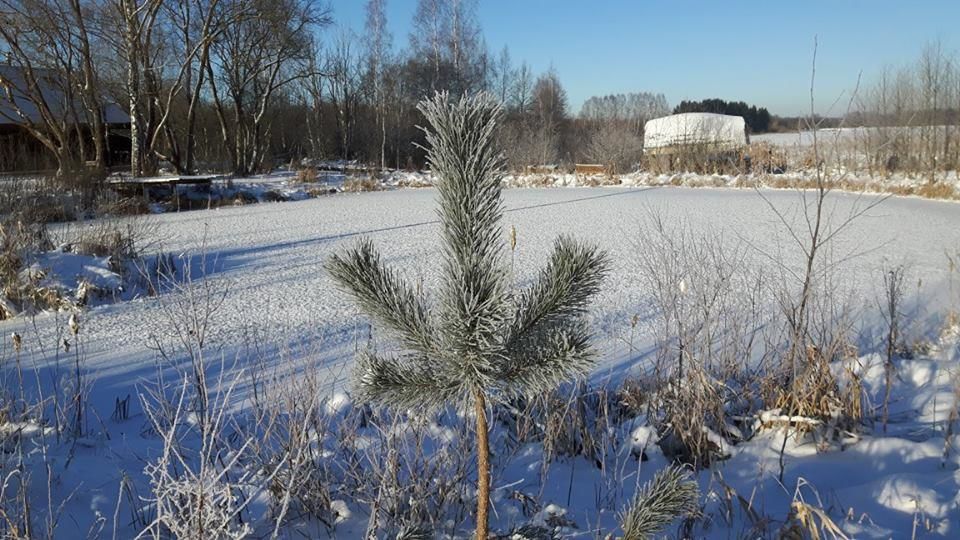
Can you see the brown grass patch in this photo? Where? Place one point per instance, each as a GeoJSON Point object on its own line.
{"type": "Point", "coordinates": [595, 180]}
{"type": "Point", "coordinates": [319, 192]}
{"type": "Point", "coordinates": [936, 190]}
{"type": "Point", "coordinates": [413, 183]}
{"type": "Point", "coordinates": [767, 158]}
{"type": "Point", "coordinates": [356, 185]}
{"type": "Point", "coordinates": [307, 175]}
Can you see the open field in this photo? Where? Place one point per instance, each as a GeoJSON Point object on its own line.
{"type": "Point", "coordinates": [282, 313]}
{"type": "Point", "coordinates": [269, 259]}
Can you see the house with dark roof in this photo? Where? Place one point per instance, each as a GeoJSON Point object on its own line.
{"type": "Point", "coordinates": [20, 151]}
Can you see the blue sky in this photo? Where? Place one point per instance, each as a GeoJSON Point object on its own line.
{"type": "Point", "coordinates": [755, 51]}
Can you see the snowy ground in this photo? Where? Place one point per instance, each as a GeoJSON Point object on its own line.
{"type": "Point", "coordinates": [269, 257]}
{"type": "Point", "coordinates": [281, 305]}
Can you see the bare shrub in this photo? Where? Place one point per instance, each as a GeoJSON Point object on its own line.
{"type": "Point", "coordinates": [708, 310]}
{"type": "Point", "coordinates": [197, 493]}
{"type": "Point", "coordinates": [301, 474]}
{"type": "Point", "coordinates": [188, 318]}
{"type": "Point", "coordinates": [890, 307]}
{"type": "Point", "coordinates": [411, 472]}
{"type": "Point", "coordinates": [616, 146]}
{"type": "Point", "coordinates": [201, 482]}
{"type": "Point", "coordinates": [38, 200]}
{"type": "Point", "coordinates": [808, 395]}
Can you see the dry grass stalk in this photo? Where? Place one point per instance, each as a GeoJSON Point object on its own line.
{"type": "Point", "coordinates": [359, 184]}
{"type": "Point", "coordinates": [307, 175]}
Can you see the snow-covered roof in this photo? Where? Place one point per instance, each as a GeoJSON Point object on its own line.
{"type": "Point", "coordinates": [718, 130]}
{"type": "Point", "coordinates": [52, 92]}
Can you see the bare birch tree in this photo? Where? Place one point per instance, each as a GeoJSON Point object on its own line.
{"type": "Point", "coordinates": [378, 49]}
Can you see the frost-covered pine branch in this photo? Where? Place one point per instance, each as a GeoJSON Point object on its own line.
{"type": "Point", "coordinates": [670, 494]}
{"type": "Point", "coordinates": [478, 343]}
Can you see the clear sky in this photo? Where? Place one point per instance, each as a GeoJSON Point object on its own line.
{"type": "Point", "coordinates": [755, 51]}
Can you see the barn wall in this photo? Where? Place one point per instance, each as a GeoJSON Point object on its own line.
{"type": "Point", "coordinates": [20, 152]}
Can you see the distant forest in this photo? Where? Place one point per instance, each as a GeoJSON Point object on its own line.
{"type": "Point", "coordinates": [757, 118]}
{"type": "Point", "coordinates": [201, 98]}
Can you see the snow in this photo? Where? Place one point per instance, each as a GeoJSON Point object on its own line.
{"type": "Point", "coordinates": [642, 438]}
{"type": "Point", "coordinates": [270, 257]}
{"type": "Point", "coordinates": [721, 130]}
{"type": "Point", "coordinates": [282, 312]}
{"type": "Point", "coordinates": [67, 271]}
{"type": "Point", "coordinates": [337, 403]}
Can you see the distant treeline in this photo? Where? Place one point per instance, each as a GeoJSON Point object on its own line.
{"type": "Point", "coordinates": [245, 85]}
{"type": "Point", "coordinates": [757, 118]}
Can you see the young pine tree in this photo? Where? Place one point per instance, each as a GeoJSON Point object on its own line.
{"type": "Point", "coordinates": [480, 342]}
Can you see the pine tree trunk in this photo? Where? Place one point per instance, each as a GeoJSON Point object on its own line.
{"type": "Point", "coordinates": [483, 467]}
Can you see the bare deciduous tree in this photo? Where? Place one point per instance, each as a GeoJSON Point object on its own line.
{"type": "Point", "coordinates": [254, 58]}
{"type": "Point", "coordinates": [54, 92]}
{"type": "Point", "coordinates": [378, 49]}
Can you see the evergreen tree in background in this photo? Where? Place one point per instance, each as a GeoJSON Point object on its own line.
{"type": "Point", "coordinates": [480, 343]}
{"type": "Point", "coordinates": [757, 118]}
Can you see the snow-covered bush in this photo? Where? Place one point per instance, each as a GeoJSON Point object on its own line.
{"type": "Point", "coordinates": [70, 266]}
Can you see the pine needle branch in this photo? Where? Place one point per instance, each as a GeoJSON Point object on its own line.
{"type": "Point", "coordinates": [670, 494]}
{"type": "Point", "coordinates": [563, 288]}
{"type": "Point", "coordinates": [404, 383]}
{"type": "Point", "coordinates": [385, 296]}
{"type": "Point", "coordinates": [463, 154]}
{"type": "Point", "coordinates": [545, 358]}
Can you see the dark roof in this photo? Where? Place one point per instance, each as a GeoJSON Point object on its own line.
{"type": "Point", "coordinates": [51, 89]}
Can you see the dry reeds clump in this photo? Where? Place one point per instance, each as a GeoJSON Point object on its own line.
{"type": "Point", "coordinates": [816, 400]}
{"type": "Point", "coordinates": [355, 184]}
{"type": "Point", "coordinates": [20, 239]}
{"type": "Point", "coordinates": [307, 175]}
{"type": "Point", "coordinates": [767, 158]}
{"type": "Point", "coordinates": [691, 419]}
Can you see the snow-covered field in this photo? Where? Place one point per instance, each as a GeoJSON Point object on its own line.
{"type": "Point", "coordinates": [269, 258]}
{"type": "Point", "coordinates": [281, 307]}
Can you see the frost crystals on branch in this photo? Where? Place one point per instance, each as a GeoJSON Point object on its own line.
{"type": "Point", "coordinates": [479, 343]}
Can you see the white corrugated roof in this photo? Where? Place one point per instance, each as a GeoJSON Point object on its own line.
{"type": "Point", "coordinates": [52, 95]}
